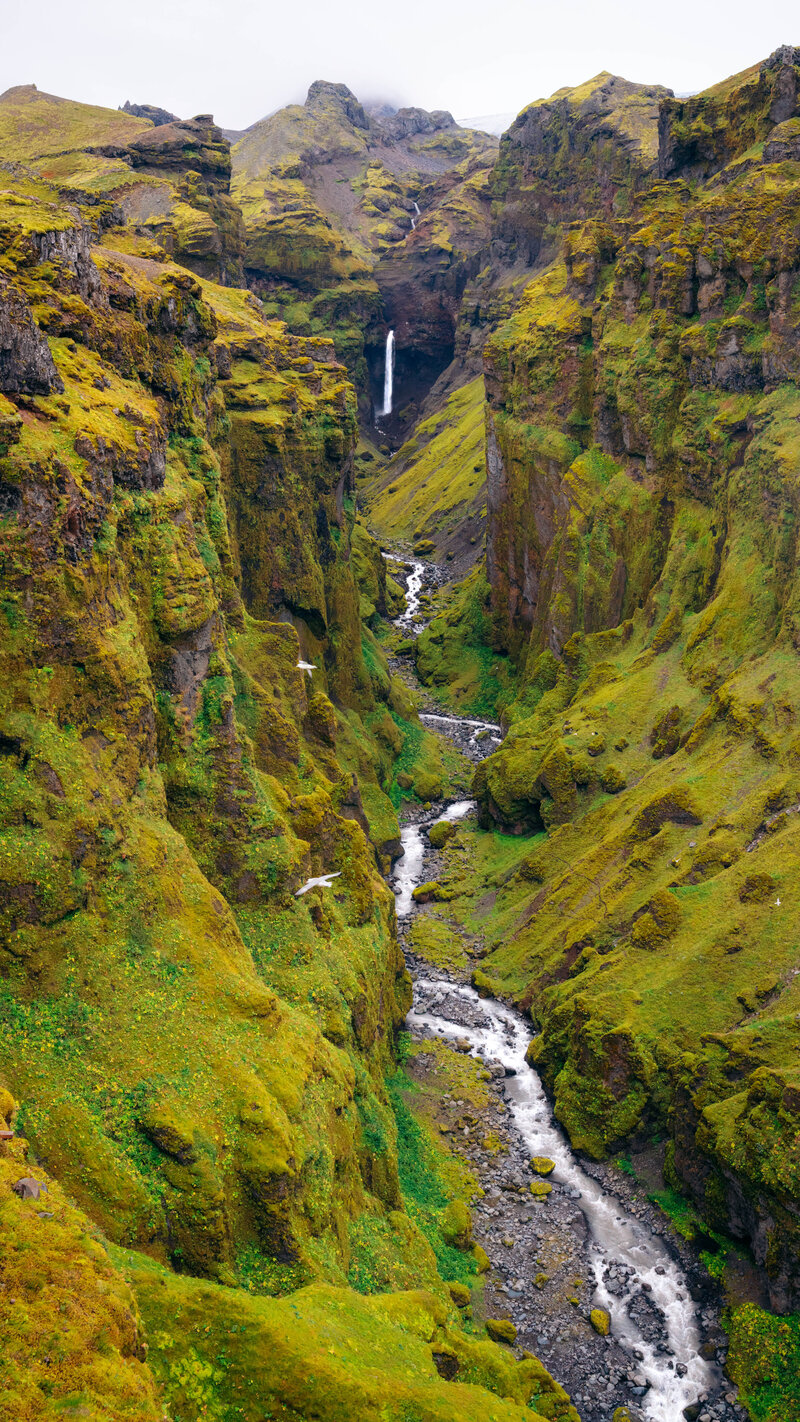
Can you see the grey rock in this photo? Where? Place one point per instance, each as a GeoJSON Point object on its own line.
{"type": "Point", "coordinates": [26, 364]}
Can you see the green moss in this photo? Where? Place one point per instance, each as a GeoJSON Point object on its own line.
{"type": "Point", "coordinates": [66, 1291]}
{"type": "Point", "coordinates": [453, 653]}
{"type": "Point", "coordinates": [764, 1361]}
{"type": "Point", "coordinates": [435, 485]}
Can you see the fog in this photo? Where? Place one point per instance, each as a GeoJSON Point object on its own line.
{"type": "Point", "coordinates": [244, 58]}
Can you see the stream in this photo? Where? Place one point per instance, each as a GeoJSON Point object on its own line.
{"type": "Point", "coordinates": [651, 1361]}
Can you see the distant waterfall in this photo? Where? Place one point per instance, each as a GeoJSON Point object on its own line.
{"type": "Point", "coordinates": [413, 220]}
{"type": "Point", "coordinates": [388, 375]}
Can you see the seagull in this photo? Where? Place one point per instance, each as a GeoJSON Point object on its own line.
{"type": "Point", "coordinates": [323, 881]}
{"type": "Point", "coordinates": [306, 667]}
{"type": "Point", "coordinates": [777, 903]}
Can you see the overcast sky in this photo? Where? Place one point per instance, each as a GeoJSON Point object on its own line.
{"type": "Point", "coordinates": [243, 58]}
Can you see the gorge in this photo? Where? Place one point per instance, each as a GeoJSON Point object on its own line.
{"type": "Point", "coordinates": [399, 1000]}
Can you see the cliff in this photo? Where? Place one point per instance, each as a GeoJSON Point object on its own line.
{"type": "Point", "coordinates": [195, 1053]}
{"type": "Point", "coordinates": [642, 507]}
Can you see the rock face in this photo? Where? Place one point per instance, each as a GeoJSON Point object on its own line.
{"type": "Point", "coordinates": [169, 145]}
{"type": "Point", "coordinates": [642, 500]}
{"type": "Point", "coordinates": [152, 112]}
{"type": "Point", "coordinates": [330, 192]}
{"type": "Point", "coordinates": [584, 152]}
{"type": "Point", "coordinates": [26, 365]}
{"type": "Point", "coordinates": [196, 156]}
{"type": "Point", "coordinates": [700, 135]}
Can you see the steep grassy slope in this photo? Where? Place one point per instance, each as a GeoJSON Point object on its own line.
{"type": "Point", "coordinates": [433, 490]}
{"type": "Point", "coordinates": [643, 505]}
{"type": "Point", "coordinates": [69, 1322]}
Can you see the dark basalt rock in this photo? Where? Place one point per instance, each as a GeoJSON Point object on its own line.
{"type": "Point", "coordinates": [156, 115]}
{"type": "Point", "coordinates": [195, 143]}
{"type": "Point", "coordinates": [26, 365]}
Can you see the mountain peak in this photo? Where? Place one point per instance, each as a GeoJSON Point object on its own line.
{"type": "Point", "coordinates": [323, 94]}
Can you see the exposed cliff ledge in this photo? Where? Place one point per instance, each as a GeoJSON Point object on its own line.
{"type": "Point", "coordinates": [700, 135]}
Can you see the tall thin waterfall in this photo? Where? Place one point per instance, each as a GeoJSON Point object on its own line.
{"type": "Point", "coordinates": [388, 375]}
{"type": "Point", "coordinates": [413, 220]}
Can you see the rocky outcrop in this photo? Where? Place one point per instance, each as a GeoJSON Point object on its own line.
{"type": "Point", "coordinates": [584, 152]}
{"type": "Point", "coordinates": [152, 112]}
{"type": "Point", "coordinates": [179, 144]}
{"type": "Point", "coordinates": [700, 135]}
{"type": "Point", "coordinates": [26, 365]}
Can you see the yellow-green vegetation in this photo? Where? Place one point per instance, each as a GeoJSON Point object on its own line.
{"type": "Point", "coordinates": [328, 1352]}
{"type": "Point", "coordinates": [434, 487]}
{"type": "Point", "coordinates": [35, 125]}
{"type": "Point", "coordinates": [642, 513]}
{"type": "Point", "coordinates": [764, 1360]}
{"type": "Point", "coordinates": [455, 655]}
{"type": "Point", "coordinates": [72, 1336]}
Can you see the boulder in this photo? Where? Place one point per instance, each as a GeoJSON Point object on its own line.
{"type": "Point", "coordinates": [600, 1321]}
{"type": "Point", "coordinates": [501, 1330]}
{"type": "Point", "coordinates": [542, 1165]}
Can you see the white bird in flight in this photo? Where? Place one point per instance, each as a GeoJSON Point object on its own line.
{"type": "Point", "coordinates": [323, 881]}
{"type": "Point", "coordinates": [306, 667]}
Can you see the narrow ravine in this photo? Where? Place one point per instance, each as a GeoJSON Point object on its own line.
{"type": "Point", "coordinates": [651, 1361]}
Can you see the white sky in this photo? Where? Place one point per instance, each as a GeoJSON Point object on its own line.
{"type": "Point", "coordinates": [240, 59]}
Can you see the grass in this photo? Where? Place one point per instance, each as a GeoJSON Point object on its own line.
{"type": "Point", "coordinates": [424, 1182]}
{"type": "Point", "coordinates": [436, 481]}
{"type": "Point", "coordinates": [764, 1360]}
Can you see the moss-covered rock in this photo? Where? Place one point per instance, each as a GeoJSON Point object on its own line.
{"type": "Point", "coordinates": [501, 1330]}
{"type": "Point", "coordinates": [457, 1225]}
{"type": "Point", "coordinates": [441, 833]}
{"type": "Point", "coordinates": [542, 1165]}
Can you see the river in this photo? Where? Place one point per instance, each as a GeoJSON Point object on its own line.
{"type": "Point", "coordinates": [636, 1273]}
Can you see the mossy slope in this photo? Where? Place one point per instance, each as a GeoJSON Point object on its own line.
{"type": "Point", "coordinates": [433, 488]}
{"type": "Point", "coordinates": [643, 503]}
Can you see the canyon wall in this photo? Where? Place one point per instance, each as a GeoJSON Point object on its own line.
{"type": "Point", "coordinates": [642, 554]}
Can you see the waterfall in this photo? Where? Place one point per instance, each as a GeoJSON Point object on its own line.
{"type": "Point", "coordinates": [388, 375]}
{"type": "Point", "coordinates": [413, 220]}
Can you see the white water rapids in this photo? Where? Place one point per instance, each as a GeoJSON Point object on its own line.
{"type": "Point", "coordinates": [676, 1377]}
{"type": "Point", "coordinates": [414, 581]}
